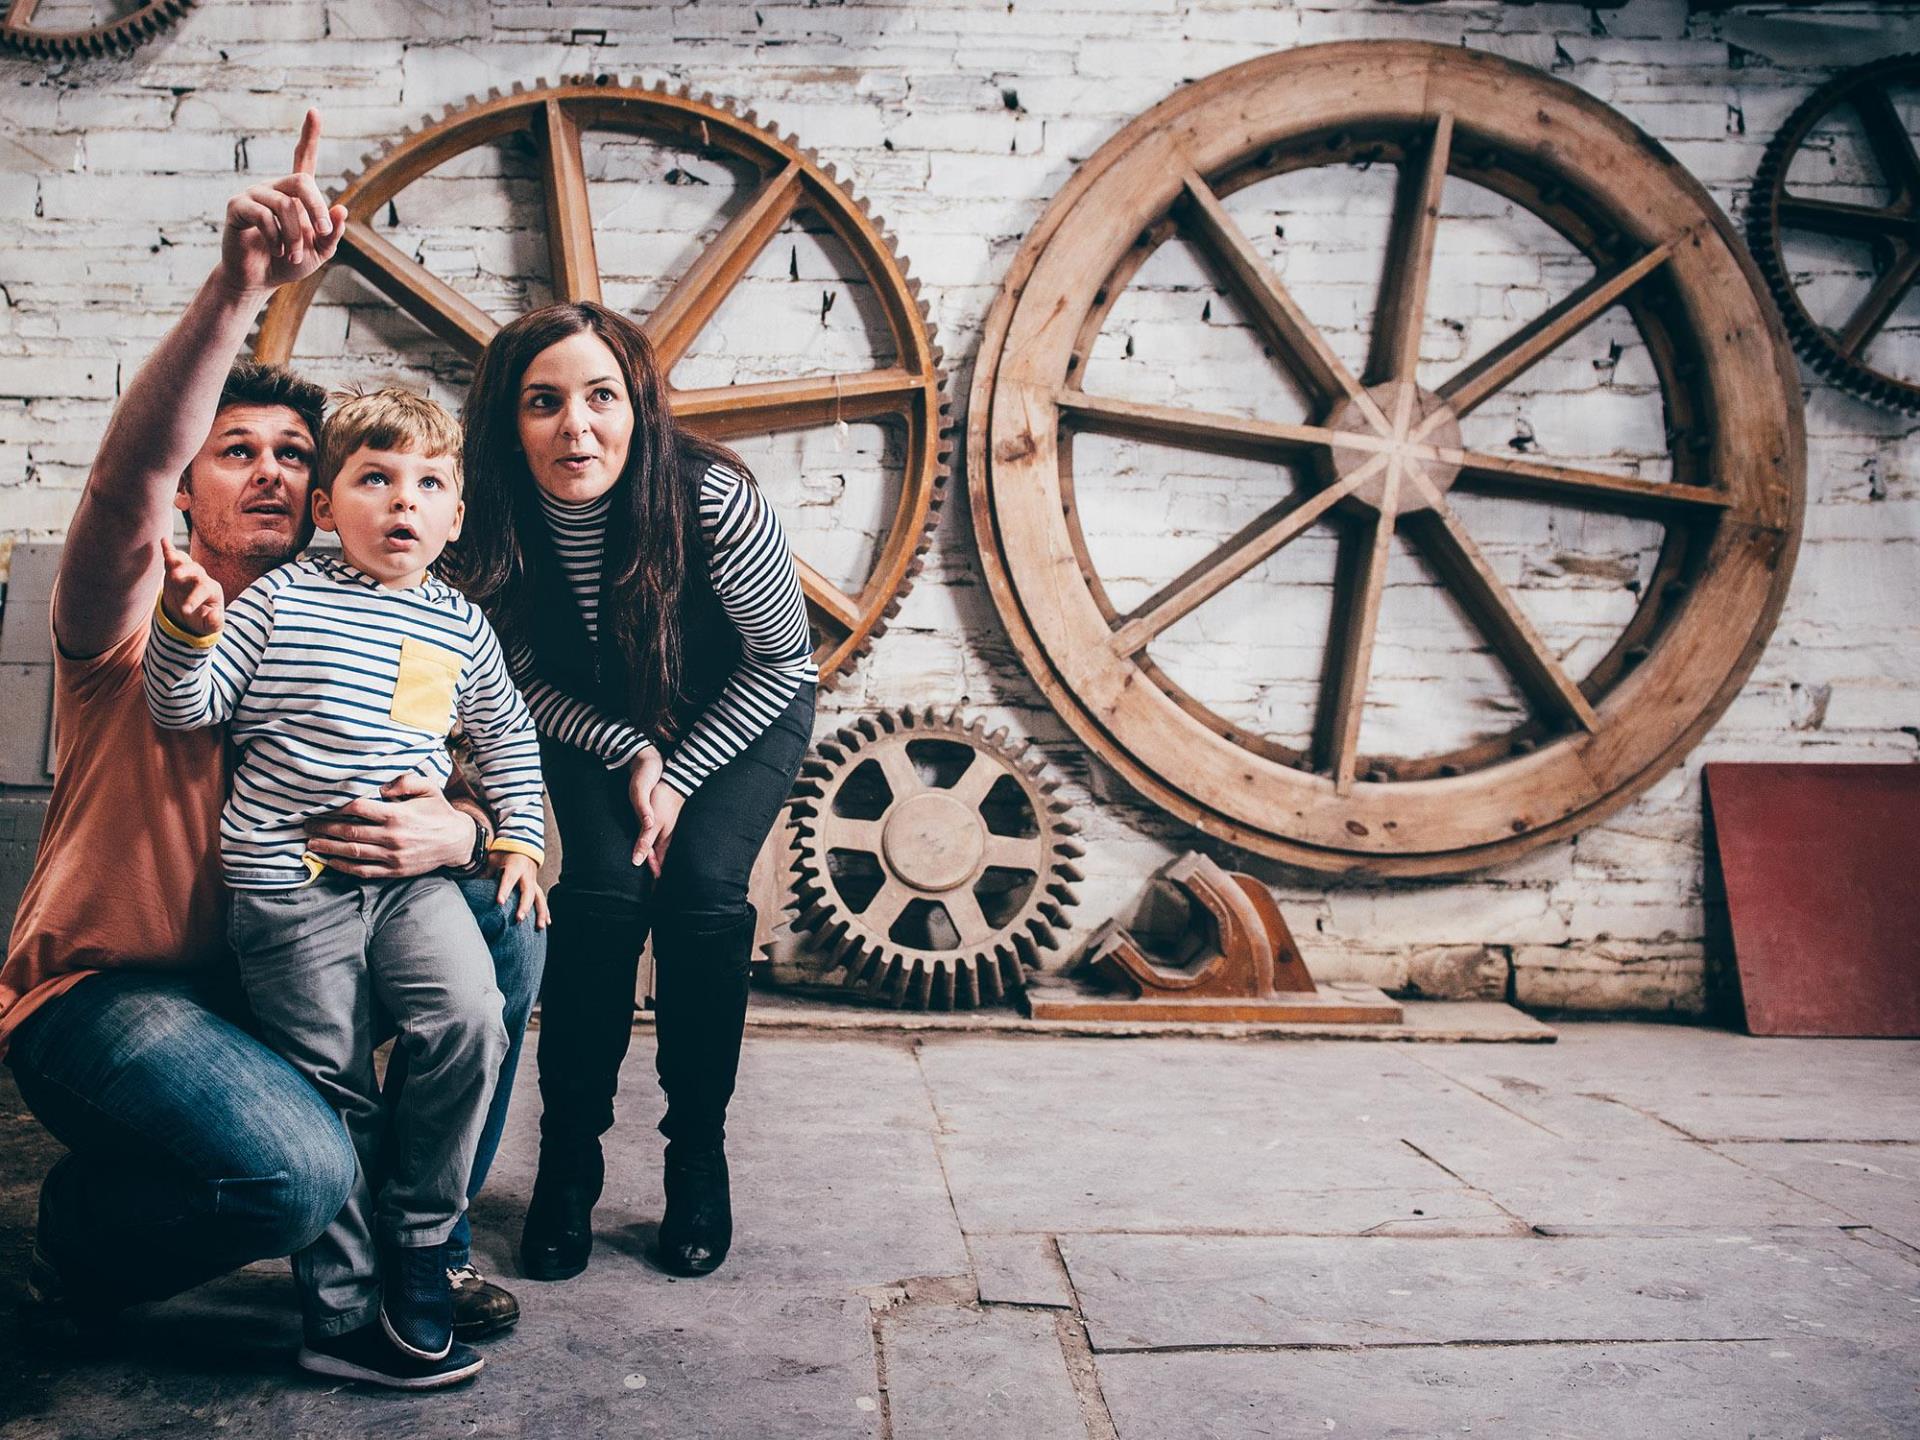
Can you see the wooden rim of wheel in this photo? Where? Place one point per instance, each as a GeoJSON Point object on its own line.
{"type": "Point", "coordinates": [1731, 511]}
{"type": "Point", "coordinates": [17, 30]}
{"type": "Point", "coordinates": [910, 393]}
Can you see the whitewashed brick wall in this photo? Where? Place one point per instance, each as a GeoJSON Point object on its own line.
{"type": "Point", "coordinates": [959, 120]}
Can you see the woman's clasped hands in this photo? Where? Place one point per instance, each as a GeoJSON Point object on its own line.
{"type": "Point", "coordinates": [656, 805]}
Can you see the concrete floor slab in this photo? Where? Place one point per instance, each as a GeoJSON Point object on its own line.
{"type": "Point", "coordinates": [1764, 1390]}
{"type": "Point", "coordinates": [1226, 1138]}
{"type": "Point", "coordinates": [1159, 1292]}
{"type": "Point", "coordinates": [973, 1374]}
{"type": "Point", "coordinates": [1712, 1084]}
{"type": "Point", "coordinates": [1019, 1270]}
{"type": "Point", "coordinates": [1659, 1180]}
{"type": "Point", "coordinates": [1878, 1185]}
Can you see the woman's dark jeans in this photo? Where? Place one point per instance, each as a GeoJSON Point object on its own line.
{"type": "Point", "coordinates": [194, 1148]}
{"type": "Point", "coordinates": [604, 907]}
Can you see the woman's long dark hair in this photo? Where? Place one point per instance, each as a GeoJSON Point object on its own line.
{"type": "Point", "coordinates": [655, 501]}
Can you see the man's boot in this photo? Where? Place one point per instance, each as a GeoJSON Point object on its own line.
{"type": "Point", "coordinates": [700, 1012]}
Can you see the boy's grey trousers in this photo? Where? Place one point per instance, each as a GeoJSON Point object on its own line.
{"type": "Point", "coordinates": [315, 962]}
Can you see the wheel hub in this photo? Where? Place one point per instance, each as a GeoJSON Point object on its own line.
{"type": "Point", "coordinates": [1417, 451]}
{"type": "Point", "coordinates": [933, 842]}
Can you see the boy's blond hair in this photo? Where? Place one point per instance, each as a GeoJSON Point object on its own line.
{"type": "Point", "coordinates": [389, 419]}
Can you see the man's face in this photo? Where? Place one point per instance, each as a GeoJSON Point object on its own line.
{"type": "Point", "coordinates": [246, 491]}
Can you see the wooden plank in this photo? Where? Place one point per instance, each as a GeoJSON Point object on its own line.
{"type": "Point", "coordinates": [1409, 266]}
{"type": "Point", "coordinates": [679, 318]}
{"type": "Point", "coordinates": [576, 270]}
{"type": "Point", "coordinates": [1356, 631]}
{"type": "Point", "coordinates": [443, 310]}
{"type": "Point", "coordinates": [779, 405]}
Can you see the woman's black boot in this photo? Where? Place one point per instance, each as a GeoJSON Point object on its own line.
{"type": "Point", "coordinates": [557, 1238]}
{"type": "Point", "coordinates": [586, 1024]}
{"type": "Point", "coordinates": [700, 1011]}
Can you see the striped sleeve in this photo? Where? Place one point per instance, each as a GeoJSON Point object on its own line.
{"type": "Point", "coordinates": [757, 585]}
{"type": "Point", "coordinates": [506, 751]}
{"type": "Point", "coordinates": [193, 681]}
{"type": "Point", "coordinates": [570, 721]}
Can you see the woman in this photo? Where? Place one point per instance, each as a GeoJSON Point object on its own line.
{"type": "Point", "coordinates": [653, 617]}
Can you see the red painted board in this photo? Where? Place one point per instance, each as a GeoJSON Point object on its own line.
{"type": "Point", "coordinates": [1822, 871]}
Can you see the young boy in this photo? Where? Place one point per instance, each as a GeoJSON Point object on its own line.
{"type": "Point", "coordinates": [337, 676]}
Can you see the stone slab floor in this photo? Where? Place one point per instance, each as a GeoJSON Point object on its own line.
{"type": "Point", "coordinates": [1639, 1231]}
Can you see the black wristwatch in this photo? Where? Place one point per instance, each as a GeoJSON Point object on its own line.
{"type": "Point", "coordinates": [477, 862]}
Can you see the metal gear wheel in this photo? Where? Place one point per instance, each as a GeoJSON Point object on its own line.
{"type": "Point", "coordinates": [934, 860]}
{"type": "Point", "coordinates": [17, 32]}
{"type": "Point", "coordinates": [908, 395]}
{"type": "Point", "coordinates": [1891, 229]}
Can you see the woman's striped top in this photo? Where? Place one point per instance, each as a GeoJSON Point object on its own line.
{"type": "Point", "coordinates": [336, 685]}
{"type": "Point", "coordinates": [752, 573]}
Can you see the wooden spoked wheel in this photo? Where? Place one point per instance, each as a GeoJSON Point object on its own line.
{"type": "Point", "coordinates": [907, 395]}
{"type": "Point", "coordinates": [1890, 229]}
{"type": "Point", "coordinates": [1382, 454]}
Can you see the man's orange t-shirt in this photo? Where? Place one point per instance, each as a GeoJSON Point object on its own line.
{"type": "Point", "coordinates": [128, 874]}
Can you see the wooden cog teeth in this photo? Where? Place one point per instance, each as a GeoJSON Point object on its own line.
{"type": "Point", "coordinates": [120, 36]}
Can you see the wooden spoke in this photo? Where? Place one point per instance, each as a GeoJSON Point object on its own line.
{"type": "Point", "coordinates": [828, 599]}
{"type": "Point", "coordinates": [885, 907]}
{"type": "Point", "coordinates": [1514, 356]}
{"type": "Point", "coordinates": [1195, 429]}
{"type": "Point", "coordinates": [576, 270]}
{"type": "Point", "coordinates": [779, 405]}
{"type": "Point", "coordinates": [1017, 852]}
{"type": "Point", "coordinates": [1594, 489]}
{"type": "Point", "coordinates": [1877, 308]}
{"type": "Point", "coordinates": [695, 297]}
{"type": "Point", "coordinates": [435, 304]}
{"type": "Point", "coordinates": [844, 833]}
{"type": "Point", "coordinates": [1409, 268]}
{"type": "Point", "coordinates": [1465, 571]}
{"type": "Point", "coordinates": [902, 779]}
{"type": "Point", "coordinates": [978, 778]}
{"type": "Point", "coordinates": [1285, 325]}
{"type": "Point", "coordinates": [1357, 620]}
{"type": "Point", "coordinates": [1832, 217]}
{"type": "Point", "coordinates": [21, 11]}
{"type": "Point", "coordinates": [969, 920]}
{"type": "Point", "coordinates": [1246, 549]}
{"type": "Point", "coordinates": [1892, 142]}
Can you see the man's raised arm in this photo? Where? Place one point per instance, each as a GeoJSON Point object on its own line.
{"type": "Point", "coordinates": [274, 234]}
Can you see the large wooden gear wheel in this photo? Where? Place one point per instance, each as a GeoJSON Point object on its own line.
{"type": "Point", "coordinates": [18, 32]}
{"type": "Point", "coordinates": [931, 860]}
{"type": "Point", "coordinates": [1844, 352]}
{"type": "Point", "coordinates": [1382, 454]}
{"type": "Point", "coordinates": [909, 394]}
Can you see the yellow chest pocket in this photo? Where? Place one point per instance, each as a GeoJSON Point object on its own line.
{"type": "Point", "coordinates": [423, 693]}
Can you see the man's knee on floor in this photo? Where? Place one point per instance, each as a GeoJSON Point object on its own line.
{"type": "Point", "coordinates": [313, 1169]}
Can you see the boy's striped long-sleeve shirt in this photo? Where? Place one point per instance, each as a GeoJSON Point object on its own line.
{"type": "Point", "coordinates": [753, 576]}
{"type": "Point", "coordinates": [332, 686]}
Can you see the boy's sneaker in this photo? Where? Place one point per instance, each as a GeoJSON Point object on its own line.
{"type": "Point", "coordinates": [416, 1300]}
{"type": "Point", "coordinates": [367, 1354]}
{"type": "Point", "coordinates": [480, 1307]}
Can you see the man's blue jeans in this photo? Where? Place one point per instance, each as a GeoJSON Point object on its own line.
{"type": "Point", "coordinates": [194, 1148]}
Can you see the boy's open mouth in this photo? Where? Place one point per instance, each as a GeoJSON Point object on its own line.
{"type": "Point", "coordinates": [404, 533]}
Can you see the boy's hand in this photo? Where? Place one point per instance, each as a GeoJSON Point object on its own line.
{"type": "Point", "coordinates": [192, 598]}
{"type": "Point", "coordinates": [643, 774]}
{"type": "Point", "coordinates": [282, 231]}
{"type": "Point", "coordinates": [518, 872]}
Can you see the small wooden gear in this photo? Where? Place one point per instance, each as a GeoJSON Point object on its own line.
{"type": "Point", "coordinates": [1380, 454]}
{"type": "Point", "coordinates": [17, 31]}
{"type": "Point", "coordinates": [908, 395]}
{"type": "Point", "coordinates": [1889, 229]}
{"type": "Point", "coordinates": [933, 860]}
